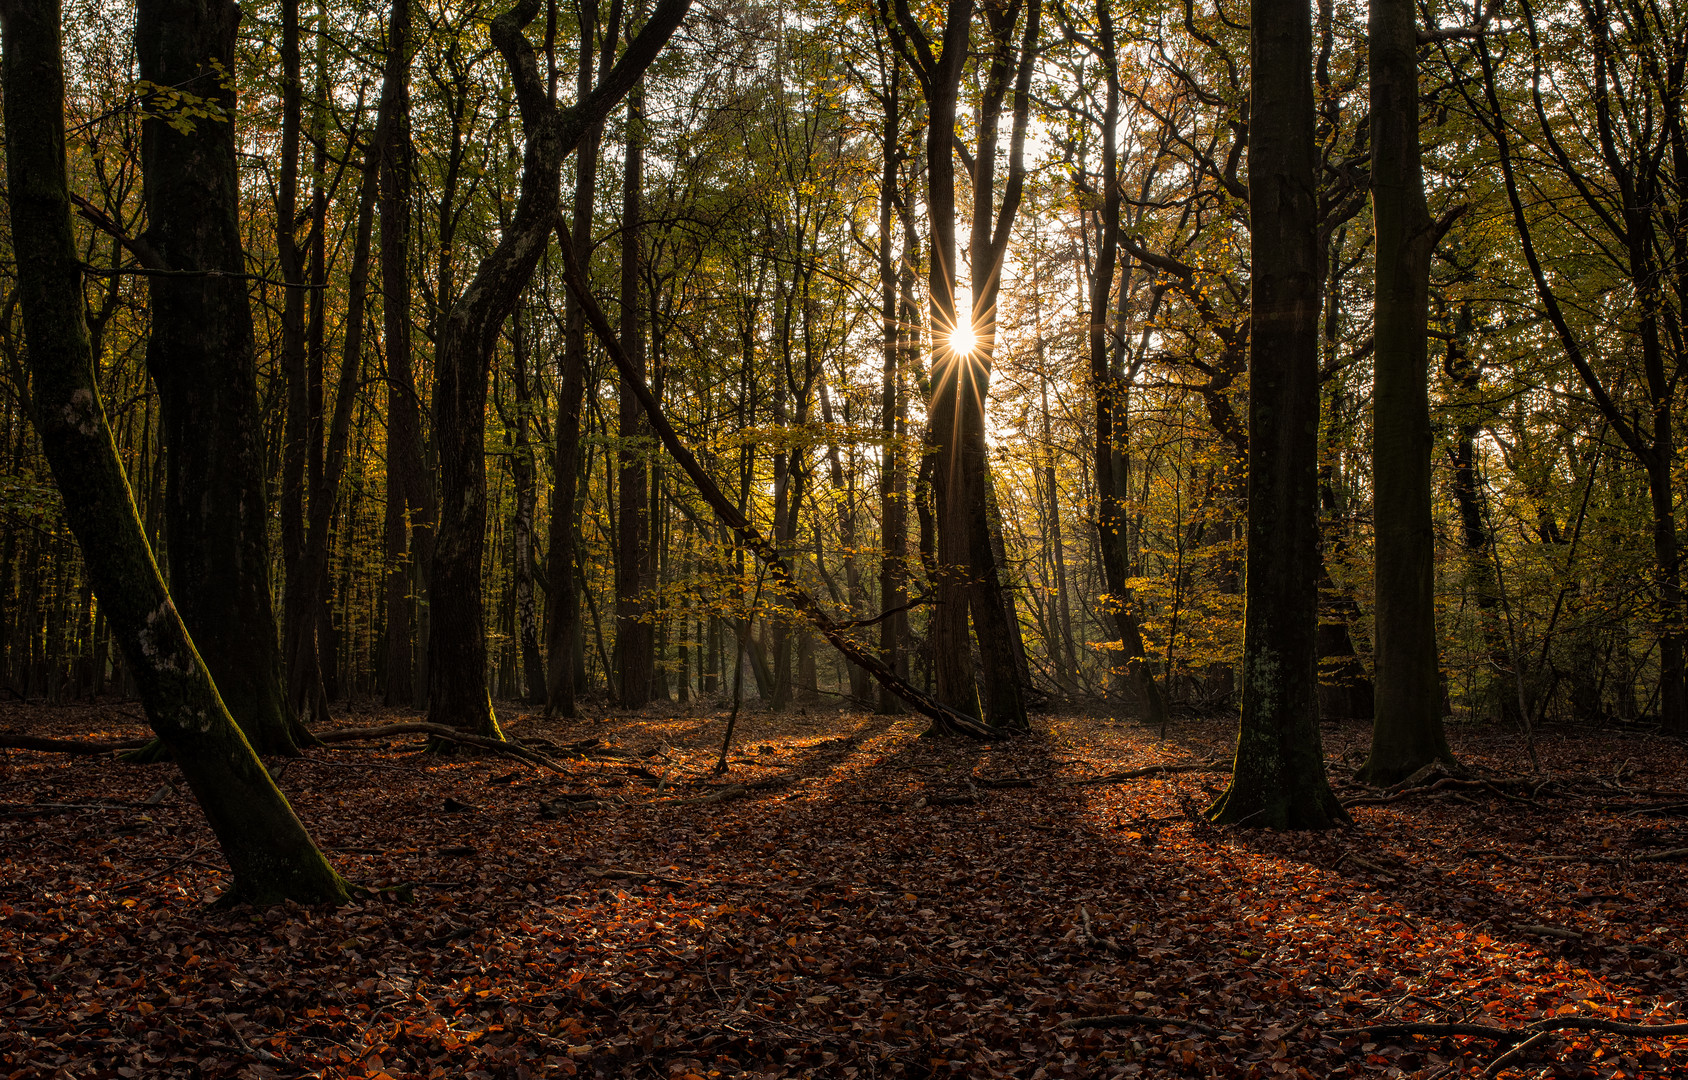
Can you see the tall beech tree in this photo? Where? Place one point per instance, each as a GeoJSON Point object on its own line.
{"type": "Point", "coordinates": [1407, 725]}
{"type": "Point", "coordinates": [1278, 780]}
{"type": "Point", "coordinates": [968, 579]}
{"type": "Point", "coordinates": [270, 853]}
{"type": "Point", "coordinates": [200, 354]}
{"type": "Point", "coordinates": [409, 516]}
{"type": "Point", "coordinates": [457, 658]}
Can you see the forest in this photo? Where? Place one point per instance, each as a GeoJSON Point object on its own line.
{"type": "Point", "coordinates": [693, 538]}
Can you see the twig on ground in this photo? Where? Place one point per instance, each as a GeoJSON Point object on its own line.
{"type": "Point", "coordinates": [1137, 1020]}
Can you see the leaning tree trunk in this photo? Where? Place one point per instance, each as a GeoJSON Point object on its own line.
{"type": "Point", "coordinates": [271, 855]}
{"type": "Point", "coordinates": [457, 658]}
{"type": "Point", "coordinates": [1407, 724]}
{"type": "Point", "coordinates": [200, 355]}
{"type": "Point", "coordinates": [1278, 780]}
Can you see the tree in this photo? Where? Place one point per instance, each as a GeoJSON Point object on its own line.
{"type": "Point", "coordinates": [562, 607]}
{"type": "Point", "coordinates": [457, 662]}
{"type": "Point", "coordinates": [1278, 780]}
{"type": "Point", "coordinates": [200, 354]}
{"type": "Point", "coordinates": [1407, 727]}
{"type": "Point", "coordinates": [271, 855]}
{"type": "Point", "coordinates": [968, 579]}
{"type": "Point", "coordinates": [409, 516]}
{"type": "Point", "coordinates": [635, 636]}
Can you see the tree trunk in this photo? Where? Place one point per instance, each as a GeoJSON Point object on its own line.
{"type": "Point", "coordinates": [1278, 780]}
{"type": "Point", "coordinates": [1499, 690]}
{"type": "Point", "coordinates": [409, 491]}
{"type": "Point", "coordinates": [564, 632]}
{"type": "Point", "coordinates": [271, 855]}
{"type": "Point", "coordinates": [635, 636]}
{"type": "Point", "coordinates": [522, 470]}
{"type": "Point", "coordinates": [949, 408]}
{"type": "Point", "coordinates": [893, 472]}
{"type": "Point", "coordinates": [1407, 728]}
{"type": "Point", "coordinates": [200, 354]}
{"type": "Point", "coordinates": [305, 589]}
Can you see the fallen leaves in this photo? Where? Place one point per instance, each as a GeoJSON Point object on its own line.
{"type": "Point", "coordinates": [874, 905]}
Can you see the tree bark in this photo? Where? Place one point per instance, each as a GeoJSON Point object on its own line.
{"type": "Point", "coordinates": [1278, 780]}
{"type": "Point", "coordinates": [200, 354]}
{"type": "Point", "coordinates": [270, 853]}
{"type": "Point", "coordinates": [1407, 726]}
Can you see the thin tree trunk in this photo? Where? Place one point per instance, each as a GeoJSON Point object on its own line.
{"type": "Point", "coordinates": [893, 509]}
{"type": "Point", "coordinates": [532, 680]}
{"type": "Point", "coordinates": [409, 491]}
{"type": "Point", "coordinates": [635, 636]}
{"type": "Point", "coordinates": [306, 689]}
{"type": "Point", "coordinates": [564, 632]}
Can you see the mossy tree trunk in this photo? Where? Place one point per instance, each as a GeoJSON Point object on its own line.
{"type": "Point", "coordinates": [1278, 780]}
{"type": "Point", "coordinates": [200, 355]}
{"type": "Point", "coordinates": [272, 856]}
{"type": "Point", "coordinates": [1407, 729]}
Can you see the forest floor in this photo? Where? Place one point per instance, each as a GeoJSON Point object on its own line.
{"type": "Point", "coordinates": [855, 901]}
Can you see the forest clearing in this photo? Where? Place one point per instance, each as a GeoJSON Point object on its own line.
{"type": "Point", "coordinates": [870, 904]}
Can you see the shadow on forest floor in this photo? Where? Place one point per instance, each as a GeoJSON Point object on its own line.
{"type": "Point", "coordinates": [871, 904]}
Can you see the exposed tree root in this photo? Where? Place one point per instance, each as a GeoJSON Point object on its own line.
{"type": "Point", "coordinates": [445, 734]}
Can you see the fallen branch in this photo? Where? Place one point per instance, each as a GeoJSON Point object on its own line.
{"type": "Point", "coordinates": [946, 718]}
{"type": "Point", "coordinates": [1454, 783]}
{"type": "Point", "coordinates": [1513, 1035]}
{"type": "Point", "coordinates": [726, 794]}
{"type": "Point", "coordinates": [1136, 1020]}
{"type": "Point", "coordinates": [1565, 934]}
{"type": "Point", "coordinates": [642, 876]}
{"type": "Point", "coordinates": [1148, 770]}
{"type": "Point", "coordinates": [10, 741]}
{"type": "Point", "coordinates": [1516, 1052]}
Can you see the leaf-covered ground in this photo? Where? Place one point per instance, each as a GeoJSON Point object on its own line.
{"type": "Point", "coordinates": [871, 905]}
